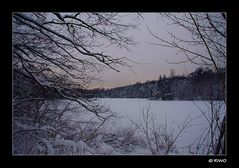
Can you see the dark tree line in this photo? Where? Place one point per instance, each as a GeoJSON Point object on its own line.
{"type": "Point", "coordinates": [202, 84]}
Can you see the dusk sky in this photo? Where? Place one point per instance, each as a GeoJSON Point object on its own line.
{"type": "Point", "coordinates": [152, 59]}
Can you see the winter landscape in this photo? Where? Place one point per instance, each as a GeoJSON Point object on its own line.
{"type": "Point", "coordinates": [102, 84]}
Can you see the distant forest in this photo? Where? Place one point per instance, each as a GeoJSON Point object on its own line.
{"type": "Point", "coordinates": [202, 84]}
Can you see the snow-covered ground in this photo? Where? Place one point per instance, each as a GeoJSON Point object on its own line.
{"type": "Point", "coordinates": [172, 112]}
{"type": "Point", "coordinates": [119, 135]}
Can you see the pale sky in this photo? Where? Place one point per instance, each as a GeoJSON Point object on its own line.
{"type": "Point", "coordinates": [152, 58]}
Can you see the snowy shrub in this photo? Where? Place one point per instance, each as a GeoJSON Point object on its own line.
{"type": "Point", "coordinates": [124, 140]}
{"type": "Point", "coordinates": [56, 127]}
{"type": "Point", "coordinates": [158, 137]}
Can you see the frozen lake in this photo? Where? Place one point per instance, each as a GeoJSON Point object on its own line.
{"type": "Point", "coordinates": [172, 112]}
{"type": "Point", "coordinates": [128, 112]}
